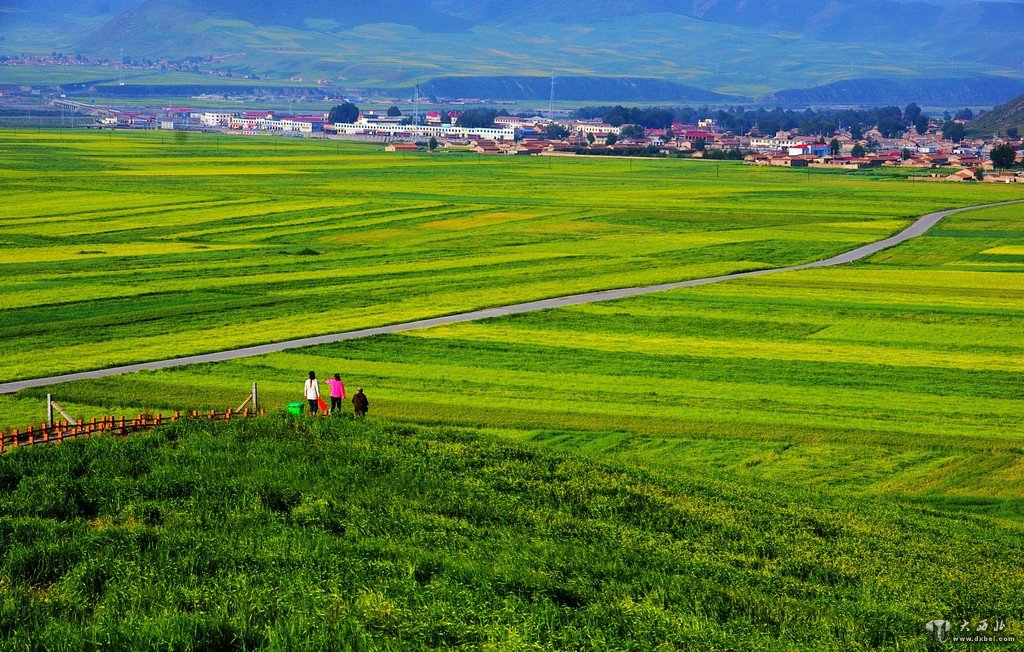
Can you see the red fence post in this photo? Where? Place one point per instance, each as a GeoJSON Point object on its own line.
{"type": "Point", "coordinates": [64, 429]}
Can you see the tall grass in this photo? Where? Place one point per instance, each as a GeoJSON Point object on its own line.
{"type": "Point", "coordinates": [338, 534]}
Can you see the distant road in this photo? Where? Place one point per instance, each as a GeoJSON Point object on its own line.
{"type": "Point", "coordinates": [921, 225]}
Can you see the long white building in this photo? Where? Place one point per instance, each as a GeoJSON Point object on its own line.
{"type": "Point", "coordinates": [438, 131]}
{"type": "Point", "coordinates": [287, 125]}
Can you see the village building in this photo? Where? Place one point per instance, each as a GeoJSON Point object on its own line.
{"type": "Point", "coordinates": [414, 131]}
{"type": "Point", "coordinates": [216, 118]}
{"type": "Point", "coordinates": [402, 147]}
{"type": "Point", "coordinates": [597, 128]}
{"type": "Point", "coordinates": [815, 149]}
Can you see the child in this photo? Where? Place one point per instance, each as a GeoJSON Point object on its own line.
{"type": "Point", "coordinates": [360, 404]}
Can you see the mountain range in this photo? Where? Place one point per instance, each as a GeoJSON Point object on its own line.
{"type": "Point", "coordinates": [739, 48]}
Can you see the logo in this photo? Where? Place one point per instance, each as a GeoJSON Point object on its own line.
{"type": "Point", "coordinates": [940, 628]}
{"type": "Point", "coordinates": [981, 630]}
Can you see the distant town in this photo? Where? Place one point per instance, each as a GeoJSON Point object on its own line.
{"type": "Point", "coordinates": [902, 138]}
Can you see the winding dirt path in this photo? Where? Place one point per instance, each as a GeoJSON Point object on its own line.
{"type": "Point", "coordinates": [920, 226]}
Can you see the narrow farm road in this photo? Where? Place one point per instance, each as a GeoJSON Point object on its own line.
{"type": "Point", "coordinates": [920, 226]}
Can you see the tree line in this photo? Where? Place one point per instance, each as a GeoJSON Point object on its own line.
{"type": "Point", "coordinates": [890, 120]}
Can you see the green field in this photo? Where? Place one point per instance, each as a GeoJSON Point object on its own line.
{"type": "Point", "coordinates": [126, 248]}
{"type": "Point", "coordinates": [897, 377]}
{"type": "Point", "coordinates": [336, 535]}
{"type": "Point", "coordinates": [823, 459]}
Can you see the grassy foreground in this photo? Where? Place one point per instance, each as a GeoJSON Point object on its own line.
{"type": "Point", "coordinates": [337, 534]}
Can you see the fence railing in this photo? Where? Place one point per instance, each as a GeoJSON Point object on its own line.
{"type": "Point", "coordinates": [118, 426]}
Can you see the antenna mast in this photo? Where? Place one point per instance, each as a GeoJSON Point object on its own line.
{"type": "Point", "coordinates": [551, 100]}
{"type": "Point", "coordinates": [416, 105]}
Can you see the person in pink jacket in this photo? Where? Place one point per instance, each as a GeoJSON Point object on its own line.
{"type": "Point", "coordinates": [337, 392]}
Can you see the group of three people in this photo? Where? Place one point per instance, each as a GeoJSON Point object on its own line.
{"type": "Point", "coordinates": [360, 404]}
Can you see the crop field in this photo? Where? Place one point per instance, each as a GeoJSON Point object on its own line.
{"type": "Point", "coordinates": [124, 248]}
{"type": "Point", "coordinates": [896, 377]}
{"type": "Point", "coordinates": [820, 460]}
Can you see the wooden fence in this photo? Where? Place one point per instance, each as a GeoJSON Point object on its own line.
{"type": "Point", "coordinates": [118, 426]}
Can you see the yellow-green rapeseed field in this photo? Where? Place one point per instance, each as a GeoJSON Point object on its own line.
{"type": "Point", "coordinates": [124, 248]}
{"type": "Point", "coordinates": [899, 376]}
{"type": "Point", "coordinates": [817, 460]}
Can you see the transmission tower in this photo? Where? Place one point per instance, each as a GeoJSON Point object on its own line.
{"type": "Point", "coordinates": [551, 100]}
{"type": "Point", "coordinates": [416, 105]}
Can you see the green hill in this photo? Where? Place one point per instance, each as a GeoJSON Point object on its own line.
{"type": "Point", "coordinates": [336, 534]}
{"type": "Point", "coordinates": [943, 91]}
{"type": "Point", "coordinates": [1001, 118]}
{"type": "Point", "coordinates": [573, 89]}
{"type": "Point", "coordinates": [726, 46]}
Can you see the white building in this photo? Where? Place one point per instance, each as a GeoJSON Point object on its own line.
{"type": "Point", "coordinates": [588, 127]}
{"type": "Point", "coordinates": [284, 125]}
{"type": "Point", "coordinates": [216, 118]}
{"type": "Point", "coordinates": [440, 131]}
{"type": "Point", "coordinates": [509, 120]}
{"type": "Point", "coordinates": [780, 143]}
{"type": "Point", "coordinates": [817, 149]}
